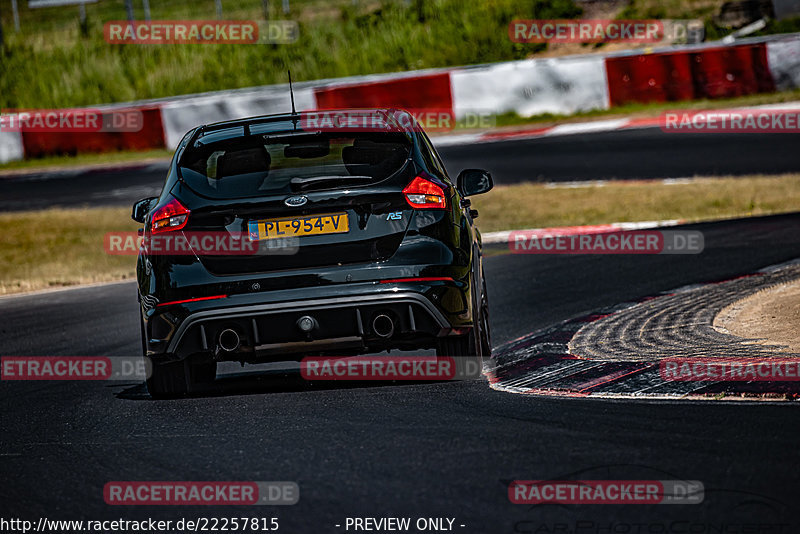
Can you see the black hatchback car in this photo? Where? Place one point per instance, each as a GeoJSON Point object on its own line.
{"type": "Point", "coordinates": [337, 233]}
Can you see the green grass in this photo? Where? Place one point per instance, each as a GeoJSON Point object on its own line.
{"type": "Point", "coordinates": [55, 64]}
{"type": "Point", "coordinates": [699, 9]}
{"type": "Point", "coordinates": [671, 9]}
{"type": "Point", "coordinates": [63, 247]}
{"type": "Point", "coordinates": [540, 206]}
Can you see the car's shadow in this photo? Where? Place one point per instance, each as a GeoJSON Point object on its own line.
{"type": "Point", "coordinates": [267, 381]}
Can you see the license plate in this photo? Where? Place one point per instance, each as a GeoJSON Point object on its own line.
{"type": "Point", "coordinates": [330, 223]}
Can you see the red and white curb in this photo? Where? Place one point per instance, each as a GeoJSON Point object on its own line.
{"type": "Point", "coordinates": [492, 238]}
{"type": "Point", "coordinates": [545, 362]}
{"type": "Point", "coordinates": [609, 125]}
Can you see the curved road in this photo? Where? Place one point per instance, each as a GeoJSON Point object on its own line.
{"type": "Point", "coordinates": [418, 450]}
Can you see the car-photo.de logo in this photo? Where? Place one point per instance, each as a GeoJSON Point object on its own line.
{"type": "Point", "coordinates": [606, 492]}
{"type": "Point", "coordinates": [201, 32]}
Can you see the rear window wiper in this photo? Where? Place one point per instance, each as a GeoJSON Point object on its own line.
{"type": "Point", "coordinates": [288, 135]}
{"type": "Point", "coordinates": [299, 183]}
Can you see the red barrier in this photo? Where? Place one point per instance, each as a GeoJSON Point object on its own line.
{"type": "Point", "coordinates": [732, 71]}
{"type": "Point", "coordinates": [417, 92]}
{"type": "Point", "coordinates": [38, 144]}
{"type": "Point", "coordinates": [710, 73]}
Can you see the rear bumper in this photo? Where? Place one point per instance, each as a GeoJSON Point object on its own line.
{"type": "Point", "coordinates": [343, 322]}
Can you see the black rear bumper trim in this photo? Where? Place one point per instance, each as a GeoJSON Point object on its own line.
{"type": "Point", "coordinates": [302, 305]}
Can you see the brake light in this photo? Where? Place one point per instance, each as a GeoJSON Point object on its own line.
{"type": "Point", "coordinates": [422, 279]}
{"type": "Point", "coordinates": [424, 194]}
{"type": "Point", "coordinates": [171, 216]}
{"type": "Point", "coordinates": [195, 299]}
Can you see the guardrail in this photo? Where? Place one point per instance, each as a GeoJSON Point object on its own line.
{"type": "Point", "coordinates": [527, 87]}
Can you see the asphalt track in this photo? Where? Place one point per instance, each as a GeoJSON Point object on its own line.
{"type": "Point", "coordinates": [628, 154]}
{"type": "Point", "coordinates": [416, 450]}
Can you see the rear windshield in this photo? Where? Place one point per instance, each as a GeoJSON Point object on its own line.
{"type": "Point", "coordinates": [257, 165]}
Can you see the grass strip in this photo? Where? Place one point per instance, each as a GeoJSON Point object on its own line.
{"type": "Point", "coordinates": [64, 247]}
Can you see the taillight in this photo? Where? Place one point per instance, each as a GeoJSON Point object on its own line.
{"type": "Point", "coordinates": [171, 216]}
{"type": "Point", "coordinates": [186, 301]}
{"type": "Point", "coordinates": [424, 194]}
{"type": "Point", "coordinates": [418, 279]}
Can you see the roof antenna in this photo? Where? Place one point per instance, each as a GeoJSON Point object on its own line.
{"type": "Point", "coordinates": [291, 91]}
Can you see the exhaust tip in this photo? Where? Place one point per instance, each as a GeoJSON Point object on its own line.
{"type": "Point", "coordinates": [383, 326]}
{"type": "Point", "coordinates": [229, 340]}
{"type": "Point", "coordinates": [306, 324]}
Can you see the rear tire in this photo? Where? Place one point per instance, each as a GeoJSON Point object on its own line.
{"type": "Point", "coordinates": [175, 379]}
{"type": "Point", "coordinates": [457, 345]}
{"type": "Point", "coordinates": [478, 341]}
{"type": "Point", "coordinates": [167, 380]}
{"type": "Point", "coordinates": [485, 330]}
{"type": "Point", "coordinates": [462, 349]}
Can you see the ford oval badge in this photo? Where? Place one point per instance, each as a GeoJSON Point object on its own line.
{"type": "Point", "coordinates": [294, 202]}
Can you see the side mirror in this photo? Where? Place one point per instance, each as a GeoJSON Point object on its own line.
{"type": "Point", "coordinates": [141, 208]}
{"type": "Point", "coordinates": [474, 182]}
